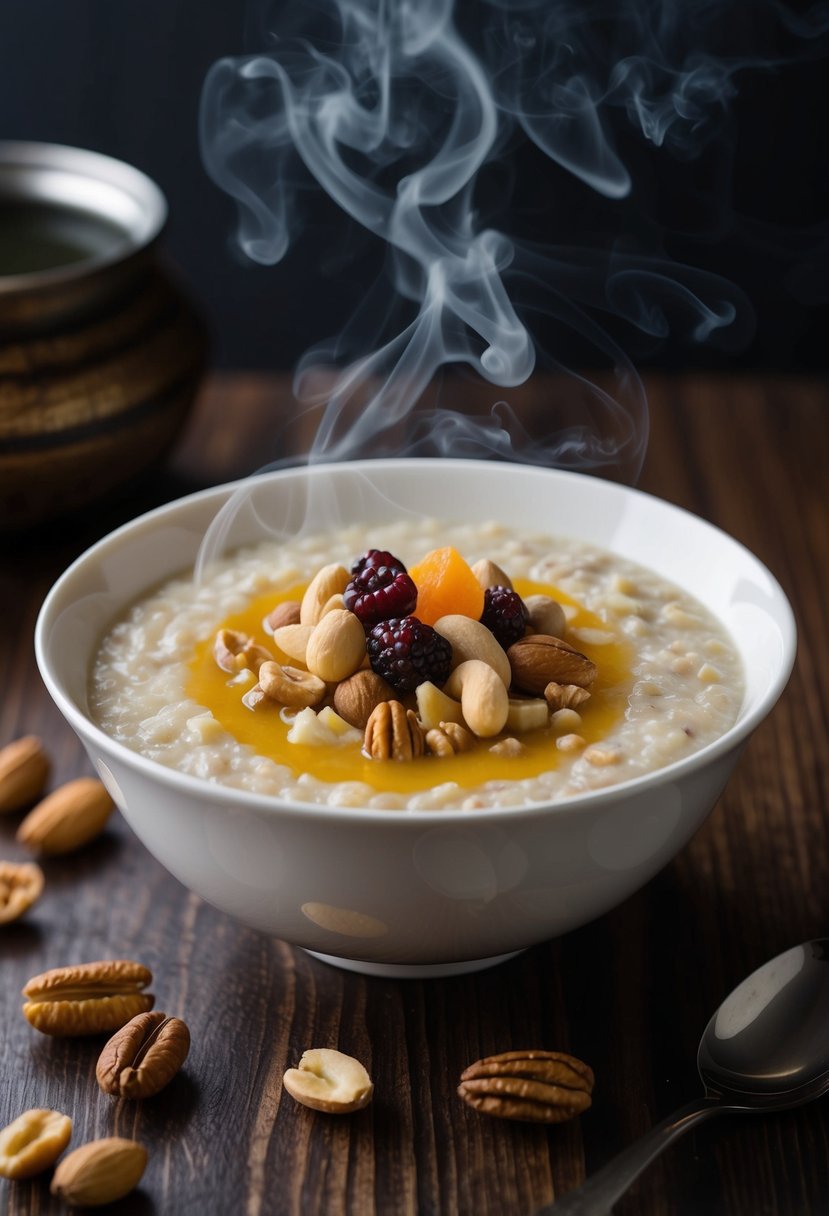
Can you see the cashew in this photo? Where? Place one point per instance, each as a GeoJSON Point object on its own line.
{"type": "Point", "coordinates": [330, 1081]}
{"type": "Point", "coordinates": [472, 640]}
{"type": "Point", "coordinates": [483, 697]}
{"type": "Point", "coordinates": [290, 686]}
{"type": "Point", "coordinates": [336, 647]}
{"type": "Point", "coordinates": [233, 650]}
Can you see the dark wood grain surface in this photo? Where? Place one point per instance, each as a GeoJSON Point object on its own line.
{"type": "Point", "coordinates": [629, 993]}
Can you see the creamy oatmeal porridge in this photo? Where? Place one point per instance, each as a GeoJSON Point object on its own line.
{"type": "Point", "coordinates": [663, 678]}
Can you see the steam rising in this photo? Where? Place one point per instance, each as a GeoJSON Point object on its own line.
{"type": "Point", "coordinates": [394, 110]}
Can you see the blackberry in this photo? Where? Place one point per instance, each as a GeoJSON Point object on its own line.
{"type": "Point", "coordinates": [505, 615]}
{"type": "Point", "coordinates": [406, 653]}
{"type": "Point", "coordinates": [378, 557]}
{"type": "Point", "coordinates": [378, 593]}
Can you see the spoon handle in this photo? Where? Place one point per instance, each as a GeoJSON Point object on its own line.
{"type": "Point", "coordinates": [597, 1196]}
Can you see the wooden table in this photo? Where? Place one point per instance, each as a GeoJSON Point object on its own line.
{"type": "Point", "coordinates": [630, 993]}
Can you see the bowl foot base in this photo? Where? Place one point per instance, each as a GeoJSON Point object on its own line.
{"type": "Point", "coordinates": [413, 971]}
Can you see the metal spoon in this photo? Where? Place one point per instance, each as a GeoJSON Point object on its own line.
{"type": "Point", "coordinates": [766, 1048]}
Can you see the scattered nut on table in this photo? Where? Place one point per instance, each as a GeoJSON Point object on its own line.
{"type": "Point", "coordinates": [20, 886]}
{"type": "Point", "coordinates": [68, 818]}
{"type": "Point", "coordinates": [143, 1056]}
{"type": "Point", "coordinates": [33, 1142]}
{"type": "Point", "coordinates": [89, 998]}
{"type": "Point", "coordinates": [24, 771]}
{"type": "Point", "coordinates": [330, 1081]}
{"type": "Point", "coordinates": [100, 1172]}
{"type": "Point", "coordinates": [529, 1086]}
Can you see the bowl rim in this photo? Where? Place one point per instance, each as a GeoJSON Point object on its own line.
{"type": "Point", "coordinates": [37, 156]}
{"type": "Point", "coordinates": [211, 792]}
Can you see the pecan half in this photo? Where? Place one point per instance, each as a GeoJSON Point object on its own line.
{"type": "Point", "coordinates": [393, 733]}
{"type": "Point", "coordinates": [530, 1086]}
{"type": "Point", "coordinates": [143, 1056]}
{"type": "Point", "coordinates": [89, 998]}
{"type": "Point", "coordinates": [20, 885]}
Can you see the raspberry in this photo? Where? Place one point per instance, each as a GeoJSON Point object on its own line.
{"type": "Point", "coordinates": [406, 653]}
{"type": "Point", "coordinates": [378, 557]}
{"type": "Point", "coordinates": [380, 592]}
{"type": "Point", "coordinates": [505, 614]}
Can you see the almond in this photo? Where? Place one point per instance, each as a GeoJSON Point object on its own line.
{"type": "Point", "coordinates": [489, 574]}
{"type": "Point", "coordinates": [24, 771]}
{"type": "Point", "coordinates": [100, 1172]}
{"type": "Point", "coordinates": [330, 580]}
{"type": "Point", "coordinates": [67, 818]}
{"type": "Point", "coordinates": [539, 660]}
{"type": "Point", "coordinates": [337, 646]}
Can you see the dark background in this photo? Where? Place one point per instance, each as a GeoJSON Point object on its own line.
{"type": "Point", "coordinates": [124, 77]}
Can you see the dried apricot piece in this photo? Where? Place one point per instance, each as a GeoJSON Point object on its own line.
{"type": "Point", "coordinates": [445, 584]}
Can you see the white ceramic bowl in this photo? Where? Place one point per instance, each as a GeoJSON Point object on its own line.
{"type": "Point", "coordinates": [419, 892]}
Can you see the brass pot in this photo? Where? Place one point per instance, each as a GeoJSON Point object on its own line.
{"type": "Point", "coordinates": [100, 353]}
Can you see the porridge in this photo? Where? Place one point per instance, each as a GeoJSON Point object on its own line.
{"type": "Point", "coordinates": [587, 670]}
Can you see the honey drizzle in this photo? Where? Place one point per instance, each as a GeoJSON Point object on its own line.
{"type": "Point", "coordinates": [264, 731]}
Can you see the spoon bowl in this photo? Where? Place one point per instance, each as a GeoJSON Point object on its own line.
{"type": "Point", "coordinates": [768, 1043]}
{"type": "Point", "coordinates": [765, 1049]}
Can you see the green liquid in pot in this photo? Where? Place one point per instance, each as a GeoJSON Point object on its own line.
{"type": "Point", "coordinates": [38, 236]}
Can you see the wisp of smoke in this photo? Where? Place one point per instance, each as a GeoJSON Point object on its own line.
{"type": "Point", "coordinates": [394, 108]}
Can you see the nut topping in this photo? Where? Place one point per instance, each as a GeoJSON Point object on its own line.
{"type": "Point", "coordinates": [233, 650]}
{"type": "Point", "coordinates": [100, 1172]}
{"type": "Point", "coordinates": [33, 1142]}
{"type": "Point", "coordinates": [472, 640]}
{"type": "Point", "coordinates": [531, 1086]}
{"type": "Point", "coordinates": [24, 771]}
{"type": "Point", "coordinates": [489, 574]}
{"type": "Point", "coordinates": [483, 697]}
{"type": "Point", "coordinates": [68, 818]}
{"type": "Point", "coordinates": [20, 887]}
{"type": "Point", "coordinates": [89, 998]}
{"type": "Point", "coordinates": [143, 1056]}
{"type": "Point", "coordinates": [290, 686]}
{"type": "Point", "coordinates": [286, 613]}
{"type": "Point", "coordinates": [393, 733]}
{"type": "Point", "coordinates": [356, 698]}
{"type": "Point", "coordinates": [539, 660]}
{"type": "Point", "coordinates": [337, 646]}
{"type": "Point", "coordinates": [565, 696]}
{"type": "Point", "coordinates": [293, 640]}
{"type": "Point", "coordinates": [329, 1080]}
{"type": "Point", "coordinates": [448, 739]}
{"type": "Point", "coordinates": [330, 580]}
{"type": "Point", "coordinates": [546, 615]}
